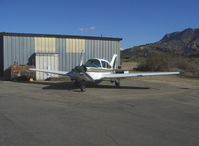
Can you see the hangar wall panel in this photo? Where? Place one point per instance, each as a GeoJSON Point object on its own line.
{"type": "Point", "coordinates": [75, 45]}
{"type": "Point", "coordinates": [45, 45]}
{"type": "Point", "coordinates": [46, 61]}
{"type": "Point", "coordinates": [17, 50]}
{"type": "Point", "coordinates": [1, 56]}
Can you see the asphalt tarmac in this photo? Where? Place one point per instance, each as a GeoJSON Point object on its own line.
{"type": "Point", "coordinates": [142, 113]}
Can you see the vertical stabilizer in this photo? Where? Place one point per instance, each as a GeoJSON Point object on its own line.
{"type": "Point", "coordinates": [113, 61]}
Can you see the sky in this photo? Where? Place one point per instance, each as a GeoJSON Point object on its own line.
{"type": "Point", "coordinates": [138, 22]}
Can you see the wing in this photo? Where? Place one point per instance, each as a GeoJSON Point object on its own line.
{"type": "Point", "coordinates": [49, 71]}
{"type": "Point", "coordinates": [125, 75]}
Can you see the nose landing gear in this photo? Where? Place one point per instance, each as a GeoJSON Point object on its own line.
{"type": "Point", "coordinates": [81, 85]}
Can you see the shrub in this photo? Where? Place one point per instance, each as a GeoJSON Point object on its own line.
{"type": "Point", "coordinates": [187, 65]}
{"type": "Point", "coordinates": [164, 62]}
{"type": "Point", "coordinates": [156, 61]}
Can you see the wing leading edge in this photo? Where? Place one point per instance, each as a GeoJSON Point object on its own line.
{"type": "Point", "coordinates": [125, 75]}
{"type": "Point", "coordinates": [50, 71]}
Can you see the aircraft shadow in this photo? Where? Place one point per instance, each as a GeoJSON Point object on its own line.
{"type": "Point", "coordinates": [2, 79]}
{"type": "Point", "coordinates": [71, 86]}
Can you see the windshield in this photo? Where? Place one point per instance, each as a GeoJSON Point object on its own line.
{"type": "Point", "coordinates": [93, 62]}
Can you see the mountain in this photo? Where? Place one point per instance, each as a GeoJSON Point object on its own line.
{"type": "Point", "coordinates": [185, 43]}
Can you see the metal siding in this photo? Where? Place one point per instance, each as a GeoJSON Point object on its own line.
{"type": "Point", "coordinates": [75, 45]}
{"type": "Point", "coordinates": [112, 48]}
{"type": "Point", "coordinates": [45, 45]}
{"type": "Point", "coordinates": [15, 46]}
{"type": "Point", "coordinates": [73, 50]}
{"type": "Point", "coordinates": [118, 52]}
{"type": "Point", "coordinates": [46, 61]}
{"type": "Point", "coordinates": [92, 55]}
{"type": "Point", "coordinates": [17, 50]}
{"type": "Point", "coordinates": [106, 50]}
{"type": "Point", "coordinates": [96, 50]}
{"type": "Point", "coordinates": [4, 53]}
{"type": "Point", "coordinates": [66, 56]}
{"type": "Point", "coordinates": [87, 52]}
{"type": "Point", "coordinates": [93, 48]}
{"type": "Point", "coordinates": [8, 55]}
{"type": "Point", "coordinates": [58, 50]}
{"type": "Point", "coordinates": [1, 56]}
{"type": "Point", "coordinates": [68, 60]}
{"type": "Point", "coordinates": [63, 55]}
{"type": "Point", "coordinates": [22, 50]}
{"type": "Point", "coordinates": [89, 49]}
{"type": "Point", "coordinates": [101, 49]}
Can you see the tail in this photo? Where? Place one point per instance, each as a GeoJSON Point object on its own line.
{"type": "Point", "coordinates": [113, 61]}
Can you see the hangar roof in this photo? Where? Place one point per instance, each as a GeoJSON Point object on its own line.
{"type": "Point", "coordinates": [58, 36]}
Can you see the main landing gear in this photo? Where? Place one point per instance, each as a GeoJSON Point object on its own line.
{"type": "Point", "coordinates": [117, 83]}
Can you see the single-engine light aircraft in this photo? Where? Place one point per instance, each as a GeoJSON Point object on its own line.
{"type": "Point", "coordinates": [96, 70]}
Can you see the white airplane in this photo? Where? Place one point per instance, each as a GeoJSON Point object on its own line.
{"type": "Point", "coordinates": [96, 70]}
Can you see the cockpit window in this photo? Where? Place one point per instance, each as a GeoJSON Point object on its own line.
{"type": "Point", "coordinates": [105, 65]}
{"type": "Point", "coordinates": [93, 62]}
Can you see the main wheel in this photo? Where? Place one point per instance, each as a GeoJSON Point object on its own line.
{"type": "Point", "coordinates": [117, 83]}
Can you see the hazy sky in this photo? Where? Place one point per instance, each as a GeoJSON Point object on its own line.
{"type": "Point", "coordinates": [136, 21]}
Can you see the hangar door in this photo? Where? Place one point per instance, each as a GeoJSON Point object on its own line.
{"type": "Point", "coordinates": [46, 61]}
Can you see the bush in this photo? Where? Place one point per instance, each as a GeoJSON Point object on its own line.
{"type": "Point", "coordinates": [187, 65]}
{"type": "Point", "coordinates": [164, 62]}
{"type": "Point", "coordinates": [156, 61]}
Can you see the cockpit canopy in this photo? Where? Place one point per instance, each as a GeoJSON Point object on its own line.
{"type": "Point", "coordinates": [98, 63]}
{"type": "Point", "coordinates": [93, 63]}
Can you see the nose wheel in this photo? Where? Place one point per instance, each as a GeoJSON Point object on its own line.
{"type": "Point", "coordinates": [82, 86]}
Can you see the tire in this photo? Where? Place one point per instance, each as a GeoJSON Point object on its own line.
{"type": "Point", "coordinates": [82, 86]}
{"type": "Point", "coordinates": [117, 83]}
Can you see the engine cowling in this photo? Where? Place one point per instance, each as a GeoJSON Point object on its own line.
{"type": "Point", "coordinates": [81, 68]}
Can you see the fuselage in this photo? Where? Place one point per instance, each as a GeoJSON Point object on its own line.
{"type": "Point", "coordinates": [94, 69]}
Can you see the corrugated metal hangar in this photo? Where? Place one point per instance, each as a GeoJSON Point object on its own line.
{"type": "Point", "coordinates": [55, 52]}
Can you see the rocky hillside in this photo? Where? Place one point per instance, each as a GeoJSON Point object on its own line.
{"type": "Point", "coordinates": [185, 43]}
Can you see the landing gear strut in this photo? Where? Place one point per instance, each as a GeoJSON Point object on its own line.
{"type": "Point", "coordinates": [117, 83]}
{"type": "Point", "coordinates": [82, 85]}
